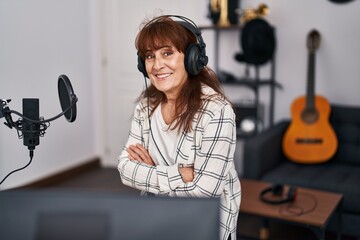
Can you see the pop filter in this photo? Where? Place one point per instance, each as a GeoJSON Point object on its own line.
{"type": "Point", "coordinates": [67, 98]}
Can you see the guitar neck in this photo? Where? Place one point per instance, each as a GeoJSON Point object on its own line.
{"type": "Point", "coordinates": [310, 91]}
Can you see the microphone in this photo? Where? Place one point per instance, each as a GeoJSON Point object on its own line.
{"type": "Point", "coordinates": [31, 126]}
{"type": "Point", "coordinates": [30, 129]}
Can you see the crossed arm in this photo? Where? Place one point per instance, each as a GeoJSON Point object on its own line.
{"type": "Point", "coordinates": [139, 153]}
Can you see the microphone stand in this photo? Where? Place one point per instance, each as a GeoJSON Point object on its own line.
{"type": "Point", "coordinates": [6, 112]}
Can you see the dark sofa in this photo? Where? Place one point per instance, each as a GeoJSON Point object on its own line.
{"type": "Point", "coordinates": [264, 159]}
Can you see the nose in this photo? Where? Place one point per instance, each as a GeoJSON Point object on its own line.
{"type": "Point", "coordinates": [158, 63]}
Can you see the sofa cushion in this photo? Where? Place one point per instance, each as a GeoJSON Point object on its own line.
{"type": "Point", "coordinates": [346, 123]}
{"type": "Point", "coordinates": [333, 177]}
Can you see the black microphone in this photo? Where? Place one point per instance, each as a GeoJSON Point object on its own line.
{"type": "Point", "coordinates": [31, 130]}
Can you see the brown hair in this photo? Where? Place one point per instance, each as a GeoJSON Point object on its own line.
{"type": "Point", "coordinates": [159, 32]}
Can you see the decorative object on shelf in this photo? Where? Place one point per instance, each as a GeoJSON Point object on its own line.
{"type": "Point", "coordinates": [223, 12]}
{"type": "Point", "coordinates": [251, 13]}
{"type": "Point", "coordinates": [310, 138]}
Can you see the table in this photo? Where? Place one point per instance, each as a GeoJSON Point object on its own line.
{"type": "Point", "coordinates": [318, 207]}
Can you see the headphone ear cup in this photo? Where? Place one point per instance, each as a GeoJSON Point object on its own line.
{"type": "Point", "coordinates": [292, 192]}
{"type": "Point", "coordinates": [277, 190]}
{"type": "Point", "coordinates": [141, 66]}
{"type": "Point", "coordinates": [192, 59]}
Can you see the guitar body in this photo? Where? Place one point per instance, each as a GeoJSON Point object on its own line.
{"type": "Point", "coordinates": [310, 137]}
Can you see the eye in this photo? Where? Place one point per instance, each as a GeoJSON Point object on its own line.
{"type": "Point", "coordinates": [149, 56]}
{"type": "Point", "coordinates": [168, 53]}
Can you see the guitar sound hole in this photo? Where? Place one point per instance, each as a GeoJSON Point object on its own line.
{"type": "Point", "coordinates": [309, 116]}
{"type": "Point", "coordinates": [309, 141]}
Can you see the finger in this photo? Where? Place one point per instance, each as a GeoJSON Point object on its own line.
{"type": "Point", "coordinates": [144, 154]}
{"type": "Point", "coordinates": [133, 155]}
{"type": "Point", "coordinates": [139, 153]}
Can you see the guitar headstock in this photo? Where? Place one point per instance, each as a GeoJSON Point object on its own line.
{"type": "Point", "coordinates": [313, 41]}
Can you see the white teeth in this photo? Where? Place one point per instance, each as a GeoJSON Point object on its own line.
{"type": "Point", "coordinates": [163, 75]}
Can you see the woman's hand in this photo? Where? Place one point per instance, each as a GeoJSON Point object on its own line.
{"type": "Point", "coordinates": [187, 173]}
{"type": "Point", "coordinates": [139, 153]}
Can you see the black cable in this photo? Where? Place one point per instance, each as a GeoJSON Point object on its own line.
{"type": "Point", "coordinates": [31, 153]}
{"type": "Point", "coordinates": [293, 210]}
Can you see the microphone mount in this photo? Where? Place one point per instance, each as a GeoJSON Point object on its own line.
{"type": "Point", "coordinates": [35, 127]}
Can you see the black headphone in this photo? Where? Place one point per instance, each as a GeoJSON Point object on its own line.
{"type": "Point", "coordinates": [195, 55]}
{"type": "Point", "coordinates": [277, 190]}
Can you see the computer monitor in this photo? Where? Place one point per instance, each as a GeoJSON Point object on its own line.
{"type": "Point", "coordinates": [52, 215]}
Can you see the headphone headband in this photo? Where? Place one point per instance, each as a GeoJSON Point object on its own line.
{"type": "Point", "coordinates": [277, 190]}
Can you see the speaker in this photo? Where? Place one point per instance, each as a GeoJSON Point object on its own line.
{"type": "Point", "coordinates": [30, 129]}
{"type": "Point", "coordinates": [277, 194]}
{"type": "Point", "coordinates": [195, 54]}
{"type": "Point", "coordinates": [248, 118]}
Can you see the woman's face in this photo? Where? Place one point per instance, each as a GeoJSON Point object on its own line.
{"type": "Point", "coordinates": [166, 70]}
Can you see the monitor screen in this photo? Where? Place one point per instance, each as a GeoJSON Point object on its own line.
{"type": "Point", "coordinates": [50, 214]}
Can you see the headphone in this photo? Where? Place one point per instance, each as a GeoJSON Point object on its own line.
{"type": "Point", "coordinates": [277, 190]}
{"type": "Point", "coordinates": [195, 54]}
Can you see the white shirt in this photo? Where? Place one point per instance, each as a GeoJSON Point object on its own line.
{"type": "Point", "coordinates": [163, 141]}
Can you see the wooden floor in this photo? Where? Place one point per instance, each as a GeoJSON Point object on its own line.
{"type": "Point", "coordinates": [108, 179]}
{"type": "Point", "coordinates": [97, 179]}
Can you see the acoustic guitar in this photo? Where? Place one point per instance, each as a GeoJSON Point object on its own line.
{"type": "Point", "coordinates": [310, 137]}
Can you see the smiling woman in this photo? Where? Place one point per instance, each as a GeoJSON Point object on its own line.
{"type": "Point", "coordinates": [183, 135]}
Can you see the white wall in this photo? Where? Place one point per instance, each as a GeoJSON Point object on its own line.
{"type": "Point", "coordinates": [39, 40]}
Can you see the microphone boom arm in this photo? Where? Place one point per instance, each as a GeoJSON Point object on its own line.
{"type": "Point", "coordinates": [75, 99]}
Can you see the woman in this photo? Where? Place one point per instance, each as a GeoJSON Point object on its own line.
{"type": "Point", "coordinates": [183, 135]}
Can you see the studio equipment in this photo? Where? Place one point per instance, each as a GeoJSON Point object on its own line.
{"type": "Point", "coordinates": [30, 126]}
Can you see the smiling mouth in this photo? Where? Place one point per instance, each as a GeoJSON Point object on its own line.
{"type": "Point", "coordinates": [164, 75]}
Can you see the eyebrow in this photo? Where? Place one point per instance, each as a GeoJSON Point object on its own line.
{"type": "Point", "coordinates": [158, 48]}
